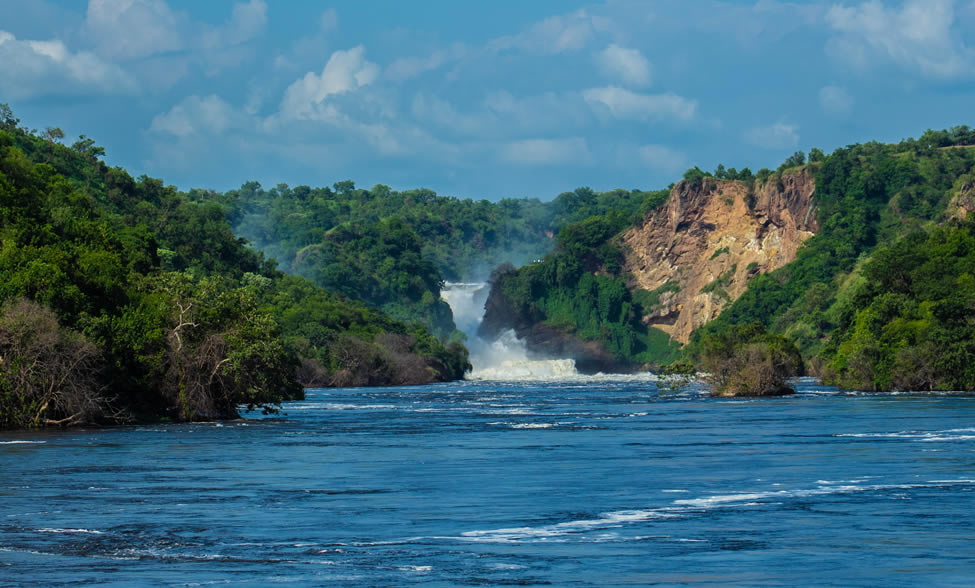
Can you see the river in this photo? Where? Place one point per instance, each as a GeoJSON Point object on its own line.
{"type": "Point", "coordinates": [527, 474]}
{"type": "Point", "coordinates": [585, 481]}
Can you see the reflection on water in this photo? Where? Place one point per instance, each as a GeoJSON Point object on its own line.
{"type": "Point", "coordinates": [581, 481]}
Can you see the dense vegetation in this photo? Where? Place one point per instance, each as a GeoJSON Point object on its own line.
{"type": "Point", "coordinates": [124, 299]}
{"type": "Point", "coordinates": [578, 289]}
{"type": "Point", "coordinates": [876, 202]}
{"type": "Point", "coordinates": [748, 361]}
{"type": "Point", "coordinates": [394, 249]}
{"type": "Point", "coordinates": [879, 299]}
{"type": "Point", "coordinates": [909, 321]}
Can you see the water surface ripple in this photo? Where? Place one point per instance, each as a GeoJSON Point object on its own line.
{"type": "Point", "coordinates": [593, 481]}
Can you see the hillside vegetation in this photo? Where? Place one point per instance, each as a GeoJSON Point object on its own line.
{"type": "Point", "coordinates": [393, 249]}
{"type": "Point", "coordinates": [880, 211]}
{"type": "Point", "coordinates": [125, 299]}
{"type": "Point", "coordinates": [879, 298]}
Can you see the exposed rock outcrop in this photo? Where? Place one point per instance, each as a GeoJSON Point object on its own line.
{"type": "Point", "coordinates": [963, 203]}
{"type": "Point", "coordinates": [700, 250]}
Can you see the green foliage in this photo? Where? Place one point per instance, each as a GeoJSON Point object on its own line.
{"type": "Point", "coordinates": [650, 299]}
{"type": "Point", "coordinates": [574, 290]}
{"type": "Point", "coordinates": [795, 160]}
{"type": "Point", "coordinates": [676, 376]}
{"type": "Point", "coordinates": [171, 313]}
{"type": "Point", "coordinates": [719, 252]}
{"type": "Point", "coordinates": [463, 239]}
{"type": "Point", "coordinates": [748, 361]}
{"type": "Point", "coordinates": [868, 197]}
{"type": "Point", "coordinates": [392, 249]}
{"type": "Point", "coordinates": [908, 324]}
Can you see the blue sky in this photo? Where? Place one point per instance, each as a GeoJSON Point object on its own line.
{"type": "Point", "coordinates": [482, 100]}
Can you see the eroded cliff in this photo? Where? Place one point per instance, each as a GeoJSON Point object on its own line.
{"type": "Point", "coordinates": [697, 253]}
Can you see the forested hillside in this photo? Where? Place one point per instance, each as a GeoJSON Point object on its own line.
{"type": "Point", "coordinates": [393, 249]}
{"type": "Point", "coordinates": [871, 198]}
{"type": "Point", "coordinates": [881, 289]}
{"type": "Point", "coordinates": [125, 299]}
{"type": "Point", "coordinates": [576, 301]}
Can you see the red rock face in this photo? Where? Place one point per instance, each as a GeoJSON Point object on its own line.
{"type": "Point", "coordinates": [711, 238]}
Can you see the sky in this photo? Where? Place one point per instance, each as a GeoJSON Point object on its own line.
{"type": "Point", "coordinates": [481, 100]}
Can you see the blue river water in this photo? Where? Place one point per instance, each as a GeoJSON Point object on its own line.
{"type": "Point", "coordinates": [581, 482]}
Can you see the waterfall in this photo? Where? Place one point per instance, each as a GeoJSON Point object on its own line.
{"type": "Point", "coordinates": [506, 358]}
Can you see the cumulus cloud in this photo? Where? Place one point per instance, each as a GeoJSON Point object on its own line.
{"type": "Point", "coordinates": [777, 136]}
{"type": "Point", "coordinates": [627, 64]}
{"type": "Point", "coordinates": [132, 29]}
{"type": "Point", "coordinates": [546, 151]}
{"type": "Point", "coordinates": [624, 104]}
{"type": "Point", "coordinates": [38, 68]}
{"type": "Point", "coordinates": [345, 71]}
{"type": "Point", "coordinates": [662, 158]}
{"type": "Point", "coordinates": [128, 30]}
{"type": "Point", "coordinates": [210, 115]}
{"type": "Point", "coordinates": [835, 100]}
{"type": "Point", "coordinates": [919, 35]}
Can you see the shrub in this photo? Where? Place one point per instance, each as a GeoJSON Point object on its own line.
{"type": "Point", "coordinates": [48, 374]}
{"type": "Point", "coordinates": [747, 361]}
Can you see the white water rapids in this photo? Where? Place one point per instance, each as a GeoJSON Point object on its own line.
{"type": "Point", "coordinates": [505, 358]}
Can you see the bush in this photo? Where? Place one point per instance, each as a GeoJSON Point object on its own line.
{"type": "Point", "coordinates": [747, 361]}
{"type": "Point", "coordinates": [48, 374]}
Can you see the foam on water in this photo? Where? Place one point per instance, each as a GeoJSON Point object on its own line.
{"type": "Point", "coordinates": [965, 434]}
{"type": "Point", "coordinates": [684, 508]}
{"type": "Point", "coordinates": [506, 358]}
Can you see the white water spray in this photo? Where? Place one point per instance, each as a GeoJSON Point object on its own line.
{"type": "Point", "coordinates": [505, 358]}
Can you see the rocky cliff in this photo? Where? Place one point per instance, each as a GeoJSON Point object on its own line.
{"type": "Point", "coordinates": [697, 253]}
{"type": "Point", "coordinates": [963, 203]}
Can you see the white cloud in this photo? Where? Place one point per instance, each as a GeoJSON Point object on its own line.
{"type": "Point", "coordinates": [628, 64]}
{"type": "Point", "coordinates": [128, 30]}
{"type": "Point", "coordinates": [405, 68]}
{"type": "Point", "coordinates": [443, 114]}
{"type": "Point", "coordinates": [540, 113]}
{"type": "Point", "coordinates": [503, 115]}
{"type": "Point", "coordinates": [835, 100]}
{"type": "Point", "coordinates": [39, 68]}
{"type": "Point", "coordinates": [920, 35]}
{"type": "Point", "coordinates": [210, 115]}
{"type": "Point", "coordinates": [554, 35]}
{"type": "Point", "coordinates": [345, 71]}
{"type": "Point", "coordinates": [662, 158]}
{"type": "Point", "coordinates": [247, 21]}
{"type": "Point", "coordinates": [777, 136]}
{"type": "Point", "coordinates": [131, 29]}
{"type": "Point", "coordinates": [546, 151]}
{"type": "Point", "coordinates": [624, 104]}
